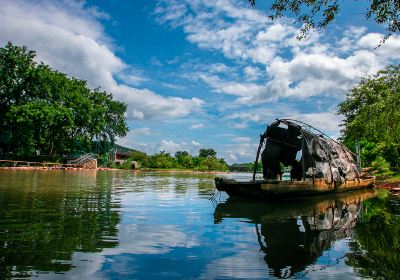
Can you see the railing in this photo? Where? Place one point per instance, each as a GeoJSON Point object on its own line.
{"type": "Point", "coordinates": [83, 159]}
{"type": "Point", "coordinates": [21, 163]}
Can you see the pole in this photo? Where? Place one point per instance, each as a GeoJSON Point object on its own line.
{"type": "Point", "coordinates": [303, 158]}
{"type": "Point", "coordinates": [257, 156]}
{"type": "Point", "coordinates": [358, 156]}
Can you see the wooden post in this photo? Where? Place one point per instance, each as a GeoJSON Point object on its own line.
{"type": "Point", "coordinates": [358, 156]}
{"type": "Point", "coordinates": [303, 156]}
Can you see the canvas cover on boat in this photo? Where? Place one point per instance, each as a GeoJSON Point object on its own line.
{"type": "Point", "coordinates": [322, 157]}
{"type": "Point", "coordinates": [325, 158]}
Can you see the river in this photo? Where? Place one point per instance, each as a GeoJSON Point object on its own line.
{"type": "Point", "coordinates": [126, 225]}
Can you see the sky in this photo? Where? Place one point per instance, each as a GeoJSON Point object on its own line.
{"type": "Point", "coordinates": [202, 74]}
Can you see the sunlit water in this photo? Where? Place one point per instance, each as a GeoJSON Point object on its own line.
{"type": "Point", "coordinates": [125, 225]}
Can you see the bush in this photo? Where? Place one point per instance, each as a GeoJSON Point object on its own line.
{"type": "Point", "coordinates": [380, 166]}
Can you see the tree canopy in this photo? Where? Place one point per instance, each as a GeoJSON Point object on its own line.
{"type": "Point", "coordinates": [372, 116]}
{"type": "Point", "coordinates": [42, 109]}
{"type": "Point", "coordinates": [207, 153]}
{"type": "Point", "coordinates": [206, 160]}
{"type": "Point", "coordinates": [320, 13]}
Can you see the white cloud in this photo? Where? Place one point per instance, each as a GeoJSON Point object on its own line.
{"type": "Point", "coordinates": [262, 115]}
{"type": "Point", "coordinates": [242, 139]}
{"type": "Point", "coordinates": [68, 36]}
{"type": "Point", "coordinates": [232, 88]}
{"type": "Point", "coordinates": [314, 66]}
{"type": "Point", "coordinates": [172, 147]}
{"type": "Point", "coordinates": [252, 73]}
{"type": "Point", "coordinates": [196, 144]}
{"type": "Point", "coordinates": [196, 126]}
{"type": "Point", "coordinates": [328, 122]}
{"type": "Point", "coordinates": [241, 152]}
{"type": "Point", "coordinates": [145, 104]}
{"type": "Point", "coordinates": [134, 139]}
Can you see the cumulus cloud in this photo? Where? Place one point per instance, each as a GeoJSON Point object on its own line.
{"type": "Point", "coordinates": [172, 147]}
{"type": "Point", "coordinates": [262, 115]}
{"type": "Point", "coordinates": [241, 151]}
{"type": "Point", "coordinates": [69, 37]}
{"type": "Point", "coordinates": [233, 88]}
{"type": "Point", "coordinates": [315, 66]}
{"type": "Point", "coordinates": [196, 144]}
{"type": "Point", "coordinates": [328, 122]}
{"type": "Point", "coordinates": [134, 139]}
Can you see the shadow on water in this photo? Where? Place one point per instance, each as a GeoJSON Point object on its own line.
{"type": "Point", "coordinates": [51, 216]}
{"type": "Point", "coordinates": [293, 234]}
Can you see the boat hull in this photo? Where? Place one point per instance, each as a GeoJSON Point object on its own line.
{"type": "Point", "coordinates": [272, 189]}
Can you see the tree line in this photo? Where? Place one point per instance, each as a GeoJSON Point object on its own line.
{"type": "Point", "coordinates": [43, 111]}
{"type": "Point", "coordinates": [372, 118]}
{"type": "Point", "coordinates": [206, 160]}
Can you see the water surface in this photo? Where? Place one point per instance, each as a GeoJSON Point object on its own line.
{"type": "Point", "coordinates": [125, 225]}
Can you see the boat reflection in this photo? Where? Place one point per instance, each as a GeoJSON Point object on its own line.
{"type": "Point", "coordinates": [294, 233]}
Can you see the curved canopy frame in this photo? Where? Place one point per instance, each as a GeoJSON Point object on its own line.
{"type": "Point", "coordinates": [303, 127]}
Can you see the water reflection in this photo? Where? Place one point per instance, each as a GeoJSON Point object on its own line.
{"type": "Point", "coordinates": [43, 220]}
{"type": "Point", "coordinates": [293, 234]}
{"type": "Point", "coordinates": [125, 225]}
{"type": "Point", "coordinates": [375, 251]}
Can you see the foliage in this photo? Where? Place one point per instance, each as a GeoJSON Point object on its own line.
{"type": "Point", "coordinates": [205, 153]}
{"type": "Point", "coordinates": [205, 161]}
{"type": "Point", "coordinates": [247, 167]}
{"type": "Point", "coordinates": [319, 14]}
{"type": "Point", "coordinates": [372, 115]}
{"type": "Point", "coordinates": [43, 110]}
{"type": "Point", "coordinates": [381, 166]}
{"type": "Point", "coordinates": [184, 159]}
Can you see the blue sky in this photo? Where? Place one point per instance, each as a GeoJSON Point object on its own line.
{"type": "Point", "coordinates": [202, 74]}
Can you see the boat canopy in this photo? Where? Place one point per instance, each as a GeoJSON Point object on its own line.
{"type": "Point", "coordinates": [321, 156]}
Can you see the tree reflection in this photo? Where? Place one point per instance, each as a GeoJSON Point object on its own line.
{"type": "Point", "coordinates": [376, 250]}
{"type": "Point", "coordinates": [293, 234]}
{"type": "Point", "coordinates": [43, 223]}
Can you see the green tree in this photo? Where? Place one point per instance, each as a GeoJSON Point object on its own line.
{"type": "Point", "coordinates": [372, 115]}
{"type": "Point", "coordinates": [184, 159]}
{"type": "Point", "coordinates": [140, 157]}
{"type": "Point", "coordinates": [43, 109]}
{"type": "Point", "coordinates": [205, 153]}
{"type": "Point", "coordinates": [162, 160]}
{"type": "Point", "coordinates": [320, 13]}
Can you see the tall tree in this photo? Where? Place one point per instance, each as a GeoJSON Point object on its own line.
{"type": "Point", "coordinates": [43, 109]}
{"type": "Point", "coordinates": [372, 114]}
{"type": "Point", "coordinates": [205, 153]}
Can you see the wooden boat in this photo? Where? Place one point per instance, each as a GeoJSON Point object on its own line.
{"type": "Point", "coordinates": [325, 166]}
{"type": "Point", "coordinates": [272, 189]}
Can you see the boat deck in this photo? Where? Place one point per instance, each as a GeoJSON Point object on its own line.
{"type": "Point", "coordinates": [266, 189]}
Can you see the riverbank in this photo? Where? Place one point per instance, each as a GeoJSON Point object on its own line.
{"type": "Point", "coordinates": [392, 183]}
{"type": "Point", "coordinates": [112, 169]}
